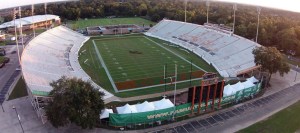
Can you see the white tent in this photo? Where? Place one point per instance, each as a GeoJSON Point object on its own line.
{"type": "Point", "coordinates": [163, 104]}
{"type": "Point", "coordinates": [238, 86]}
{"type": "Point", "coordinates": [228, 90]}
{"type": "Point", "coordinates": [105, 113]}
{"type": "Point", "coordinates": [127, 109]}
{"type": "Point", "coordinates": [248, 84]}
{"type": "Point", "coordinates": [145, 107]}
{"type": "Point", "coordinates": [252, 79]}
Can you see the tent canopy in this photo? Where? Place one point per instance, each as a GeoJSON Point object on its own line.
{"type": "Point", "coordinates": [228, 90]}
{"type": "Point", "coordinates": [127, 109]}
{"type": "Point", "coordinates": [248, 84]}
{"type": "Point", "coordinates": [145, 107]}
{"type": "Point", "coordinates": [163, 104]}
{"type": "Point", "coordinates": [105, 113]}
{"type": "Point", "coordinates": [6, 4]}
{"type": "Point", "coordinates": [238, 86]}
{"type": "Point", "coordinates": [252, 79]}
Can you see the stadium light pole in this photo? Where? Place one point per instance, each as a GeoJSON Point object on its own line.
{"type": "Point", "coordinates": [234, 9]}
{"type": "Point", "coordinates": [16, 35]}
{"type": "Point", "coordinates": [19, 118]}
{"type": "Point", "coordinates": [207, 9]}
{"type": "Point", "coordinates": [185, 3]}
{"type": "Point", "coordinates": [32, 13]}
{"type": "Point", "coordinates": [258, 14]}
{"type": "Point", "coordinates": [21, 27]}
{"type": "Point", "coordinates": [45, 7]}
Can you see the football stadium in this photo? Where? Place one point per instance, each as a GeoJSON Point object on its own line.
{"type": "Point", "coordinates": [171, 54]}
{"type": "Point", "coordinates": [188, 68]}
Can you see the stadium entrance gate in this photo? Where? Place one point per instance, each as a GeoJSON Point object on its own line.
{"type": "Point", "coordinates": [211, 88]}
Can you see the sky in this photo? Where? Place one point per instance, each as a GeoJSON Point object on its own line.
{"type": "Point", "coordinates": [290, 5]}
{"type": "Point", "coordinates": [5, 4]}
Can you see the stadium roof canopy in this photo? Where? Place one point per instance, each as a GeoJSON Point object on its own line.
{"type": "Point", "coordinates": [6, 4]}
{"type": "Point", "coordinates": [29, 20]}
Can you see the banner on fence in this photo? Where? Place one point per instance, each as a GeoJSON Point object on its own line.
{"type": "Point", "coordinates": [177, 111]}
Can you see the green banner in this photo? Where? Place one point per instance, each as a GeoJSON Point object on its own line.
{"type": "Point", "coordinates": [177, 111]}
{"type": "Point", "coordinates": [148, 117]}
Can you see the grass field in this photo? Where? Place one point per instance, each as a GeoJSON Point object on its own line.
{"type": "Point", "coordinates": [82, 23]}
{"type": "Point", "coordinates": [19, 90]}
{"type": "Point", "coordinates": [285, 121]}
{"type": "Point", "coordinates": [2, 59]}
{"type": "Point", "coordinates": [135, 57]}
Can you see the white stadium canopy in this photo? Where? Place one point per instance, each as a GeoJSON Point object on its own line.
{"type": "Point", "coordinates": [6, 4]}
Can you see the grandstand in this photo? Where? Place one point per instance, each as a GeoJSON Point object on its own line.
{"type": "Point", "coordinates": [50, 56]}
{"type": "Point", "coordinates": [230, 54]}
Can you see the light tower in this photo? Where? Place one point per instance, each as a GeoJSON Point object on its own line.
{"type": "Point", "coordinates": [258, 15]}
{"type": "Point", "coordinates": [207, 7]}
{"type": "Point", "coordinates": [32, 13]}
{"type": "Point", "coordinates": [185, 3]}
{"type": "Point", "coordinates": [21, 26]}
{"type": "Point", "coordinates": [234, 9]}
{"type": "Point", "coordinates": [45, 7]}
{"type": "Point", "coordinates": [16, 35]}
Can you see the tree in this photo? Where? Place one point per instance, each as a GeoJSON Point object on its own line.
{"type": "Point", "coordinates": [288, 40]}
{"type": "Point", "coordinates": [74, 101]}
{"type": "Point", "coordinates": [271, 60]}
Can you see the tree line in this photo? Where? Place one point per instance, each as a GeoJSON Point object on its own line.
{"type": "Point", "coordinates": [277, 28]}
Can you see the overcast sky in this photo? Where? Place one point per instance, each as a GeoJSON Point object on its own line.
{"type": "Point", "coordinates": [291, 5]}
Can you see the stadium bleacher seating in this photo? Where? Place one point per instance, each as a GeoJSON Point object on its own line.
{"type": "Point", "coordinates": [228, 53]}
{"type": "Point", "coordinates": [50, 56]}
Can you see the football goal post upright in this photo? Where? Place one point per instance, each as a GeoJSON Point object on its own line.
{"type": "Point", "coordinates": [175, 91]}
{"type": "Point", "coordinates": [165, 78]}
{"type": "Point", "coordinates": [191, 70]}
{"type": "Point", "coordinates": [171, 78]}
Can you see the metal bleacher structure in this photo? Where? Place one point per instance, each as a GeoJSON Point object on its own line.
{"type": "Point", "coordinates": [230, 54]}
{"type": "Point", "coordinates": [48, 57]}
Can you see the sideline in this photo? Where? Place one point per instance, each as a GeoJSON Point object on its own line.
{"type": "Point", "coordinates": [105, 68]}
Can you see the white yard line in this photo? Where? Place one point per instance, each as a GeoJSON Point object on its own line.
{"type": "Point", "coordinates": [105, 68]}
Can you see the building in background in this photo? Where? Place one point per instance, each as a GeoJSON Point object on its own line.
{"type": "Point", "coordinates": [28, 23]}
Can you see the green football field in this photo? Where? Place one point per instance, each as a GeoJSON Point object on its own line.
{"type": "Point", "coordinates": [83, 23]}
{"type": "Point", "coordinates": [137, 59]}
